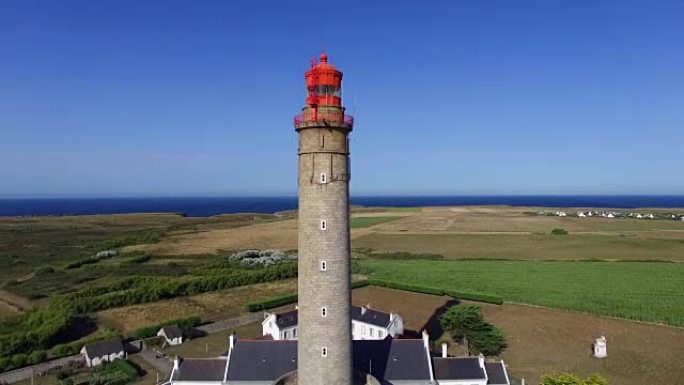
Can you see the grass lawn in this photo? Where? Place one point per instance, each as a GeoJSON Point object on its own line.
{"type": "Point", "coordinates": [213, 345]}
{"type": "Point", "coordinates": [369, 221]}
{"type": "Point", "coordinates": [635, 290]}
{"type": "Point", "coordinates": [528, 246]}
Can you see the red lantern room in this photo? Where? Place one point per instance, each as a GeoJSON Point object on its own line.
{"type": "Point", "coordinates": [323, 97]}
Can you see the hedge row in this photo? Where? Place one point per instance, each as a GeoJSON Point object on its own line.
{"type": "Point", "coordinates": [150, 331]}
{"type": "Point", "coordinates": [18, 360]}
{"type": "Point", "coordinates": [272, 303]}
{"type": "Point", "coordinates": [289, 299]}
{"type": "Point", "coordinates": [479, 297]}
{"type": "Point", "coordinates": [148, 289]}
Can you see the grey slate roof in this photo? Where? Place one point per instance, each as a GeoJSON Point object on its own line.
{"type": "Point", "coordinates": [369, 316]}
{"type": "Point", "coordinates": [389, 359]}
{"type": "Point", "coordinates": [200, 369]}
{"type": "Point", "coordinates": [172, 331]}
{"type": "Point", "coordinates": [458, 368]}
{"type": "Point", "coordinates": [392, 359]}
{"type": "Point", "coordinates": [255, 360]}
{"type": "Point", "coordinates": [103, 348]}
{"type": "Point", "coordinates": [288, 319]}
{"type": "Point", "coordinates": [496, 373]}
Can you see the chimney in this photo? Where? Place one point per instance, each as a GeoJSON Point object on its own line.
{"type": "Point", "coordinates": [481, 359]}
{"type": "Point", "coordinates": [296, 307]}
{"type": "Point", "coordinates": [426, 340]}
{"type": "Point", "coordinates": [444, 350]}
{"type": "Point", "coordinates": [363, 310]}
{"type": "Point", "coordinates": [231, 340]}
{"type": "Point", "coordinates": [176, 363]}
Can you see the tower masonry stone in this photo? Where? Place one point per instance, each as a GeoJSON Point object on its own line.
{"type": "Point", "coordinates": [324, 332]}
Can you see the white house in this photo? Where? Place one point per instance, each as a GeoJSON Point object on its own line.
{"type": "Point", "coordinates": [601, 347]}
{"type": "Point", "coordinates": [172, 334]}
{"type": "Point", "coordinates": [105, 351]}
{"type": "Point", "coordinates": [367, 324]}
{"type": "Point", "coordinates": [388, 361]}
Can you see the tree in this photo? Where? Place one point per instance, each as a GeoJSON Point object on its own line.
{"type": "Point", "coordinates": [465, 322]}
{"type": "Point", "coordinates": [571, 379]}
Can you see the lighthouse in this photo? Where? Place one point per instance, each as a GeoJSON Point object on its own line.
{"type": "Point", "coordinates": [325, 342]}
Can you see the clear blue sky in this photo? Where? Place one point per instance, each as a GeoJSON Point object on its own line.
{"type": "Point", "coordinates": [184, 98]}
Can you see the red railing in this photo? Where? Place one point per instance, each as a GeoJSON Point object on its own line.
{"type": "Point", "coordinates": [323, 117]}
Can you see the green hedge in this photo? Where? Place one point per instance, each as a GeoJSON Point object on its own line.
{"type": "Point", "coordinates": [405, 287]}
{"type": "Point", "coordinates": [272, 303]}
{"type": "Point", "coordinates": [289, 299]}
{"type": "Point", "coordinates": [135, 290]}
{"type": "Point", "coordinates": [361, 283]}
{"type": "Point", "coordinates": [150, 331]}
{"type": "Point", "coordinates": [479, 297]}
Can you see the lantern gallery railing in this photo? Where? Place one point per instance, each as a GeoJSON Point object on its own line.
{"type": "Point", "coordinates": [322, 116]}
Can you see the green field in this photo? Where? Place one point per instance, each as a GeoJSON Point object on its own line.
{"type": "Point", "coordinates": [369, 221]}
{"type": "Point", "coordinates": [651, 292]}
{"type": "Point", "coordinates": [528, 246]}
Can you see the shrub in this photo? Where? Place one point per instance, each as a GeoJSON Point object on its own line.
{"type": "Point", "coordinates": [5, 364]}
{"type": "Point", "coordinates": [137, 259]}
{"type": "Point", "coordinates": [44, 270]}
{"type": "Point", "coordinates": [477, 297]}
{"type": "Point", "coordinates": [37, 356]}
{"type": "Point", "coordinates": [62, 350]}
{"type": "Point", "coordinates": [571, 379]}
{"type": "Point", "coordinates": [185, 324]}
{"type": "Point", "coordinates": [19, 360]}
{"type": "Point", "coordinates": [406, 287]}
{"type": "Point", "coordinates": [559, 232]}
{"type": "Point", "coordinates": [272, 303]}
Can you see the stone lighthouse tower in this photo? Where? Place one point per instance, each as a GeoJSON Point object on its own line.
{"type": "Point", "coordinates": [324, 347]}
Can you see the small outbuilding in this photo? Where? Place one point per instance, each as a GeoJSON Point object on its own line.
{"type": "Point", "coordinates": [104, 351]}
{"type": "Point", "coordinates": [172, 334]}
{"type": "Point", "coordinates": [601, 347]}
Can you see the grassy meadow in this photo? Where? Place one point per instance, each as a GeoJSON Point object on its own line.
{"type": "Point", "coordinates": [535, 246]}
{"type": "Point", "coordinates": [642, 291]}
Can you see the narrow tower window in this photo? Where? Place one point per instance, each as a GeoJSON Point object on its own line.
{"type": "Point", "coordinates": [324, 265]}
{"type": "Point", "coordinates": [324, 178]}
{"type": "Point", "coordinates": [324, 224]}
{"type": "Point", "coordinates": [324, 352]}
{"type": "Point", "coordinates": [324, 311]}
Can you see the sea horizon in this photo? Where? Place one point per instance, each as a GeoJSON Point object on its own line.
{"type": "Point", "coordinates": [199, 206]}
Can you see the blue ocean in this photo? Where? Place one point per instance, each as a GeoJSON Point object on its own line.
{"type": "Point", "coordinates": [205, 206]}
